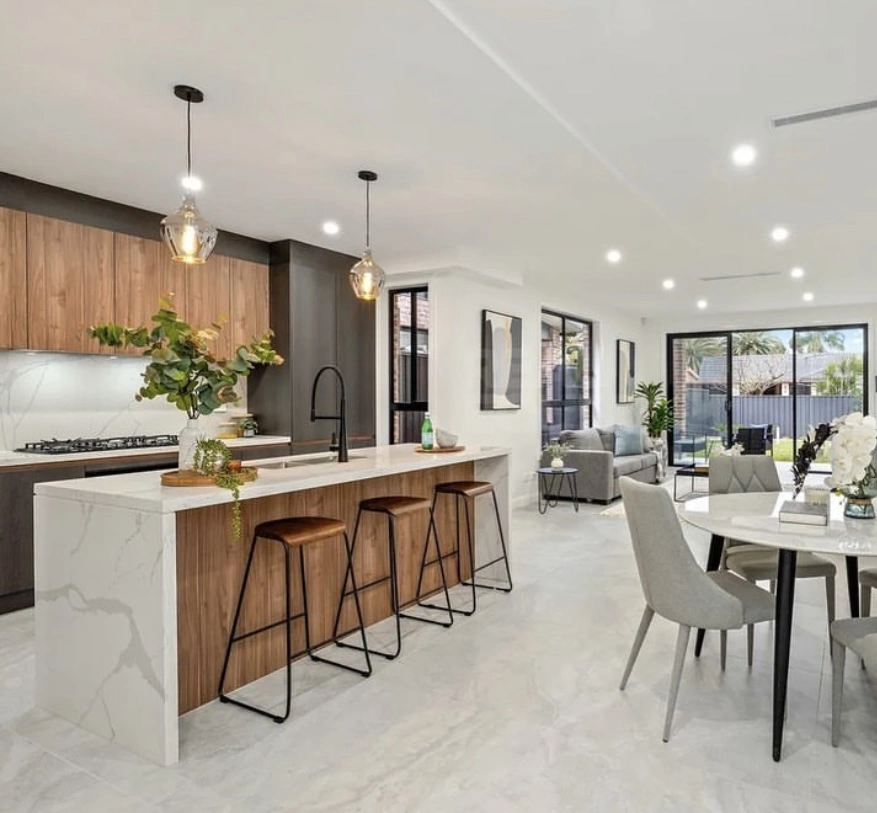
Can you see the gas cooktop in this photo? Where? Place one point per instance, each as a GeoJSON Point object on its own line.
{"type": "Point", "coordinates": [78, 445]}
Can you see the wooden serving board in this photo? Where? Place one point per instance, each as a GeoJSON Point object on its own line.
{"type": "Point", "coordinates": [439, 449]}
{"type": "Point", "coordinates": [193, 478]}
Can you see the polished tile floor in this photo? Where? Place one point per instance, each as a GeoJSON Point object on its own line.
{"type": "Point", "coordinates": [514, 709]}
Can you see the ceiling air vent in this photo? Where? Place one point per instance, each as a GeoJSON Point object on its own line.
{"type": "Point", "coordinates": [825, 113]}
{"type": "Point", "coordinates": [722, 277]}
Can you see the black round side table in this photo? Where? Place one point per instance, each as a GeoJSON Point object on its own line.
{"type": "Point", "coordinates": [549, 478]}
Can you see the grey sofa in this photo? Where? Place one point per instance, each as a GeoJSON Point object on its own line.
{"type": "Point", "coordinates": [592, 452]}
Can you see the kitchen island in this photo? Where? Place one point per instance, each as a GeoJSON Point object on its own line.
{"type": "Point", "coordinates": [136, 583]}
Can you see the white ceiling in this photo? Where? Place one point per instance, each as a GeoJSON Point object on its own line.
{"type": "Point", "coordinates": [527, 136]}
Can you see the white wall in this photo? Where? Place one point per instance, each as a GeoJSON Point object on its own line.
{"type": "Point", "coordinates": [63, 395]}
{"type": "Point", "coordinates": [456, 301]}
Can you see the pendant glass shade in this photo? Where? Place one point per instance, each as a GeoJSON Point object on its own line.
{"type": "Point", "coordinates": [187, 234]}
{"type": "Point", "coordinates": [367, 277]}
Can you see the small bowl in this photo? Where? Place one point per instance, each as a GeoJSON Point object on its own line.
{"type": "Point", "coordinates": [445, 439]}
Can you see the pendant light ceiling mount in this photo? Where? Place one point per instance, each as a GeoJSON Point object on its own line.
{"type": "Point", "coordinates": [367, 277]}
{"type": "Point", "coordinates": [186, 233]}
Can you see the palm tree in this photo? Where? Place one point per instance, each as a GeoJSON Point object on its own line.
{"type": "Point", "coordinates": [842, 377]}
{"type": "Point", "coordinates": [819, 341]}
{"type": "Point", "coordinates": [756, 343]}
{"type": "Point", "coordinates": [697, 349]}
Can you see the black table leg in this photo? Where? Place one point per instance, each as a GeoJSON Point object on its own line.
{"type": "Point", "coordinates": [782, 641]}
{"type": "Point", "coordinates": [575, 491]}
{"type": "Point", "coordinates": [853, 584]}
{"type": "Point", "coordinates": [713, 560]}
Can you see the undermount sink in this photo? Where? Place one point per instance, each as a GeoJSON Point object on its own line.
{"type": "Point", "coordinates": [310, 461]}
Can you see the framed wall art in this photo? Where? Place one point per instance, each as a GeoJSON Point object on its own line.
{"type": "Point", "coordinates": [625, 371]}
{"type": "Point", "coordinates": [500, 361]}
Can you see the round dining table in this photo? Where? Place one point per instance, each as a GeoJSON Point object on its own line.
{"type": "Point", "coordinates": [753, 518]}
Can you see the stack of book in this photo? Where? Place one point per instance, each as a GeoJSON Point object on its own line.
{"type": "Point", "coordinates": [804, 513]}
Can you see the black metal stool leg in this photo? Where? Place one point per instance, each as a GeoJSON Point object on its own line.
{"type": "Point", "coordinates": [504, 558]}
{"type": "Point", "coordinates": [237, 616]}
{"type": "Point", "coordinates": [346, 579]}
{"type": "Point", "coordinates": [433, 529]}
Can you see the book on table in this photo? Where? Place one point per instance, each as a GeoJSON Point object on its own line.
{"type": "Point", "coordinates": [804, 513]}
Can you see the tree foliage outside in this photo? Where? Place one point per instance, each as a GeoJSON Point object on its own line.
{"type": "Point", "coordinates": [843, 377]}
{"type": "Point", "coordinates": [756, 343]}
{"type": "Point", "coordinates": [698, 348]}
{"type": "Point", "coordinates": [819, 341]}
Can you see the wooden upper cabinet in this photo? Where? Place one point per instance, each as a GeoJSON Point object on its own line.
{"type": "Point", "coordinates": [13, 279]}
{"type": "Point", "coordinates": [208, 299]}
{"type": "Point", "coordinates": [144, 274]}
{"type": "Point", "coordinates": [249, 302]}
{"type": "Point", "coordinates": [70, 284]}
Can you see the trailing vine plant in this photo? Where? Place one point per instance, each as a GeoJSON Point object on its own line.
{"type": "Point", "coordinates": [213, 458]}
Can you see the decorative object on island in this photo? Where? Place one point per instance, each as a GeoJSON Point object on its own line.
{"type": "Point", "coordinates": [625, 371]}
{"type": "Point", "coordinates": [852, 456]}
{"type": "Point", "coordinates": [427, 436]}
{"type": "Point", "coordinates": [186, 233]}
{"type": "Point", "coordinates": [183, 367]}
{"type": "Point", "coordinates": [500, 361]}
{"type": "Point", "coordinates": [213, 457]}
{"type": "Point", "coordinates": [556, 451]}
{"type": "Point", "coordinates": [445, 439]}
{"type": "Point", "coordinates": [367, 277]}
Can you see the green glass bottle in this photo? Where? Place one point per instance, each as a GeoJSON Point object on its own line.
{"type": "Point", "coordinates": [427, 436]}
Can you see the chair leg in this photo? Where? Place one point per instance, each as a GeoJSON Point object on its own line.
{"type": "Point", "coordinates": [723, 648]}
{"type": "Point", "coordinates": [676, 679]}
{"type": "Point", "coordinates": [432, 530]}
{"type": "Point", "coordinates": [829, 598]}
{"type": "Point", "coordinates": [838, 658]}
{"type": "Point", "coordinates": [343, 594]}
{"type": "Point", "coordinates": [645, 621]}
{"type": "Point", "coordinates": [750, 642]}
{"type": "Point", "coordinates": [866, 600]}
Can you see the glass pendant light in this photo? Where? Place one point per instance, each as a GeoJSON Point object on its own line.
{"type": "Point", "coordinates": [186, 233]}
{"type": "Point", "coordinates": [367, 277]}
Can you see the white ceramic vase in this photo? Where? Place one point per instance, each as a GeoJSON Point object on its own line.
{"type": "Point", "coordinates": [189, 437]}
{"type": "Point", "coordinates": [557, 463]}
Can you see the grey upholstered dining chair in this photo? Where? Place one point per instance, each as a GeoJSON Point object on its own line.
{"type": "Point", "coordinates": [733, 474]}
{"type": "Point", "coordinates": [868, 579]}
{"type": "Point", "coordinates": [675, 586]}
{"type": "Point", "coordinates": [860, 635]}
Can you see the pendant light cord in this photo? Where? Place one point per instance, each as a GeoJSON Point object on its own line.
{"type": "Point", "coordinates": [188, 140]}
{"type": "Point", "coordinates": [368, 214]}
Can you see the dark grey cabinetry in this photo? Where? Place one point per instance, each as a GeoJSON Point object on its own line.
{"type": "Point", "coordinates": [16, 531]}
{"type": "Point", "coordinates": [317, 321]}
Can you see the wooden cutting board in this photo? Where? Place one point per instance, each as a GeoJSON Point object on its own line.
{"type": "Point", "coordinates": [186, 477]}
{"type": "Point", "coordinates": [439, 449]}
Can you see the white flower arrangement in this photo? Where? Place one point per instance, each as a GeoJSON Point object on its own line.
{"type": "Point", "coordinates": [853, 441]}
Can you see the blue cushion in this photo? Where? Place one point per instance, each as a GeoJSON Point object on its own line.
{"type": "Point", "coordinates": [628, 440]}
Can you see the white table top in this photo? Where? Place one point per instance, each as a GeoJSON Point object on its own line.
{"type": "Point", "coordinates": [753, 518]}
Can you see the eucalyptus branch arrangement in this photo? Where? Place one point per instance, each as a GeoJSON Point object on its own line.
{"type": "Point", "coordinates": [182, 364]}
{"type": "Point", "coordinates": [213, 458]}
{"type": "Point", "coordinates": [556, 449]}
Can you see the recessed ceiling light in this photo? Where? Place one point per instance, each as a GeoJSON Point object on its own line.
{"type": "Point", "coordinates": [668, 284]}
{"type": "Point", "coordinates": [192, 183]}
{"type": "Point", "coordinates": [779, 234]}
{"type": "Point", "coordinates": [797, 272]}
{"type": "Point", "coordinates": [744, 155]}
{"type": "Point", "coordinates": [701, 303]}
{"type": "Point", "coordinates": [613, 256]}
{"type": "Point", "coordinates": [808, 296]}
{"type": "Point", "coordinates": [331, 227]}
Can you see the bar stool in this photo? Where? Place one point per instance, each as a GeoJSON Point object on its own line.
{"type": "Point", "coordinates": [393, 508]}
{"type": "Point", "coordinates": [466, 491]}
{"type": "Point", "coordinates": [291, 533]}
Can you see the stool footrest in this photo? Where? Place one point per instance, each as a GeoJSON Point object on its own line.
{"type": "Point", "coordinates": [361, 587]}
{"type": "Point", "coordinates": [435, 621]}
{"type": "Point", "coordinates": [277, 718]}
{"type": "Point", "coordinates": [491, 562]}
{"type": "Point", "coordinates": [487, 586]}
{"type": "Point", "coordinates": [388, 655]}
{"type": "Point", "coordinates": [445, 609]}
{"type": "Point", "coordinates": [321, 659]}
{"type": "Point", "coordinates": [266, 628]}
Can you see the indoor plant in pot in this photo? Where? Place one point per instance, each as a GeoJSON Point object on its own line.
{"type": "Point", "coordinates": [183, 367]}
{"type": "Point", "coordinates": [657, 418]}
{"type": "Point", "coordinates": [556, 451]}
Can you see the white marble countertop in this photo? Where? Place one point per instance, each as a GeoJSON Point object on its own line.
{"type": "Point", "coordinates": [12, 460]}
{"type": "Point", "coordinates": [143, 490]}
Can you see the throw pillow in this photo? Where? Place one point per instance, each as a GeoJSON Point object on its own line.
{"type": "Point", "coordinates": [628, 440]}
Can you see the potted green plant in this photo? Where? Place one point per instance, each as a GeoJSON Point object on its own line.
{"type": "Point", "coordinates": [184, 368]}
{"type": "Point", "coordinates": [213, 458]}
{"type": "Point", "coordinates": [658, 416]}
{"type": "Point", "coordinates": [556, 451]}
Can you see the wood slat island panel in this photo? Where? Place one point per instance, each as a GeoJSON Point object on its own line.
{"type": "Point", "coordinates": [210, 566]}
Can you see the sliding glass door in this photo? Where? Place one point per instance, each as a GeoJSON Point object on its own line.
{"type": "Point", "coordinates": [781, 380]}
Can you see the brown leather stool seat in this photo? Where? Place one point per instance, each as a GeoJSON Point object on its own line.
{"type": "Point", "coordinates": [297, 531]}
{"type": "Point", "coordinates": [465, 492]}
{"type": "Point", "coordinates": [294, 533]}
{"type": "Point", "coordinates": [465, 488]}
{"type": "Point", "coordinates": [393, 507]}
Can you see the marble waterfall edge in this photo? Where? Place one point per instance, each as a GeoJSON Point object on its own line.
{"type": "Point", "coordinates": [106, 622]}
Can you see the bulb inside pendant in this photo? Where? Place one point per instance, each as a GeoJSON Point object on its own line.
{"type": "Point", "coordinates": [187, 234]}
{"type": "Point", "coordinates": [367, 277]}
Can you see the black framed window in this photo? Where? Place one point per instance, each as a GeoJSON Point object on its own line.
{"type": "Point", "coordinates": [567, 373]}
{"type": "Point", "coordinates": [409, 362]}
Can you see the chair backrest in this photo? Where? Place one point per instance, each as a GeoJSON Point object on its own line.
{"type": "Point", "coordinates": [753, 439]}
{"type": "Point", "coordinates": [739, 474]}
{"type": "Point", "coordinates": [673, 583]}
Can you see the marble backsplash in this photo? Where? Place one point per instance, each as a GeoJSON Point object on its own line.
{"type": "Point", "coordinates": [62, 395]}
